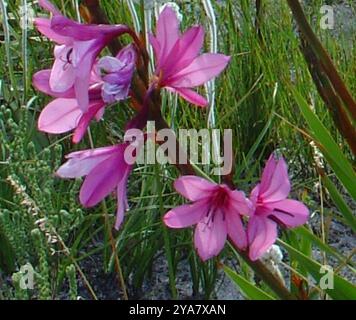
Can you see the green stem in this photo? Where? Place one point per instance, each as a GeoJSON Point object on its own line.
{"type": "Point", "coordinates": [167, 240]}
{"type": "Point", "coordinates": [120, 276]}
{"type": "Point", "coordinates": [267, 276]}
{"type": "Point", "coordinates": [329, 95]}
{"type": "Point", "coordinates": [7, 40]}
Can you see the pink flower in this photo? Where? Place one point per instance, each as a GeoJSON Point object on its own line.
{"type": "Point", "coordinates": [117, 74]}
{"type": "Point", "coordinates": [179, 67]}
{"type": "Point", "coordinates": [63, 114]}
{"type": "Point", "coordinates": [105, 170]}
{"type": "Point", "coordinates": [78, 46]}
{"type": "Point", "coordinates": [272, 207]}
{"type": "Point", "coordinates": [216, 210]}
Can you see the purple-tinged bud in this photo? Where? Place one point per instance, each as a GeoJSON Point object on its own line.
{"type": "Point", "coordinates": [116, 73]}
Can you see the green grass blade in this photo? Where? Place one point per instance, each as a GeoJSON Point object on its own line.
{"type": "Point", "coordinates": [248, 288]}
{"type": "Point", "coordinates": [340, 202]}
{"type": "Point", "coordinates": [342, 289]}
{"type": "Point", "coordinates": [305, 233]}
{"type": "Point", "coordinates": [337, 160]}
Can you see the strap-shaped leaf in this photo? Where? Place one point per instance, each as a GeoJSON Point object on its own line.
{"type": "Point", "coordinates": [342, 289]}
{"type": "Point", "coordinates": [248, 288]}
{"type": "Point", "coordinates": [331, 151]}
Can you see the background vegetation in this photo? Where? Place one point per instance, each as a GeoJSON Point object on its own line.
{"type": "Point", "coordinates": [267, 96]}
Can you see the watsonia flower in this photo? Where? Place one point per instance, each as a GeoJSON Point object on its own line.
{"type": "Point", "coordinates": [271, 207]}
{"type": "Point", "coordinates": [179, 65]}
{"type": "Point", "coordinates": [63, 114]}
{"type": "Point", "coordinates": [216, 211]}
{"type": "Point", "coordinates": [116, 73]}
{"type": "Point", "coordinates": [105, 170]}
{"type": "Point", "coordinates": [78, 46]}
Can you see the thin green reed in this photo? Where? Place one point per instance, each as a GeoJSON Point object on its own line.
{"type": "Point", "coordinates": [7, 38]}
{"type": "Point", "coordinates": [25, 26]}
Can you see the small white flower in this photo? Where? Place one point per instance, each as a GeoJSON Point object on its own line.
{"type": "Point", "coordinates": [276, 253]}
{"type": "Point", "coordinates": [272, 258]}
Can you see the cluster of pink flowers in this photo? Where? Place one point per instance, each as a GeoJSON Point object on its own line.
{"type": "Point", "coordinates": [218, 212]}
{"type": "Point", "coordinates": [83, 85]}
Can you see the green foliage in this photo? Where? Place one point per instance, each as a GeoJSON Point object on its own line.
{"type": "Point", "coordinates": [73, 288]}
{"type": "Point", "coordinates": [340, 290]}
{"type": "Point", "coordinates": [250, 289]}
{"type": "Point", "coordinates": [32, 213]}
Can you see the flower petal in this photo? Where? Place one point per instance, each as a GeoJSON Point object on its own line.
{"type": "Point", "coordinates": [100, 114]}
{"type": "Point", "coordinates": [43, 25]}
{"type": "Point", "coordinates": [84, 60]}
{"type": "Point", "coordinates": [81, 87]}
{"type": "Point", "coordinates": [85, 120]}
{"type": "Point", "coordinates": [63, 73]}
{"type": "Point", "coordinates": [290, 213]}
{"type": "Point", "coordinates": [275, 184]}
{"type": "Point", "coordinates": [40, 81]}
{"type": "Point", "coordinates": [80, 163]}
{"type": "Point", "coordinates": [262, 234]}
{"type": "Point", "coordinates": [103, 179]}
{"type": "Point", "coordinates": [59, 116]}
{"type": "Point", "coordinates": [235, 230]}
{"type": "Point", "coordinates": [210, 236]}
{"type": "Point", "coordinates": [194, 188]}
{"type": "Point", "coordinates": [254, 195]}
{"type": "Point", "coordinates": [186, 215]}
{"type": "Point", "coordinates": [122, 204]}
{"type": "Point", "coordinates": [167, 32]}
{"type": "Point", "coordinates": [184, 52]}
{"type": "Point", "coordinates": [117, 74]}
{"type": "Point", "coordinates": [239, 203]}
{"type": "Point", "coordinates": [202, 69]}
{"type": "Point", "coordinates": [84, 32]}
{"type": "Point", "coordinates": [128, 55]}
{"type": "Point", "coordinates": [47, 5]}
{"type": "Point", "coordinates": [110, 64]}
{"type": "Point", "coordinates": [191, 96]}
{"type": "Point", "coordinates": [267, 173]}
